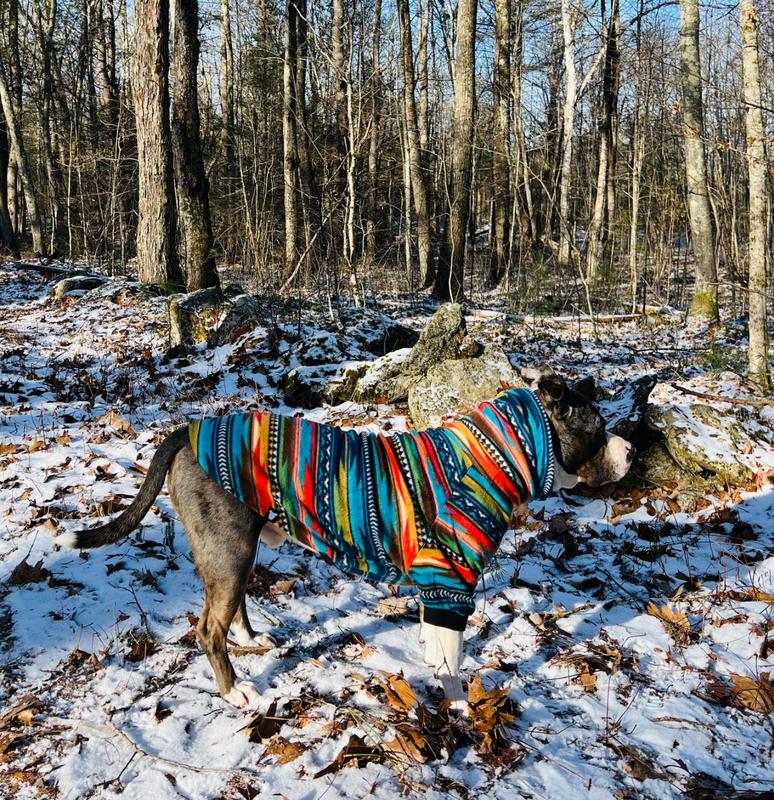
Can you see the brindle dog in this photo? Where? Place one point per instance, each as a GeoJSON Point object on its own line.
{"type": "Point", "coordinates": [224, 533]}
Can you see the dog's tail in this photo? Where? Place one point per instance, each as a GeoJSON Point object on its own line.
{"type": "Point", "coordinates": [129, 519]}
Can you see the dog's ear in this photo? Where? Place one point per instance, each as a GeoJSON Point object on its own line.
{"type": "Point", "coordinates": [550, 386]}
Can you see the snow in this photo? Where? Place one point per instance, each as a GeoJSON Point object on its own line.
{"type": "Point", "coordinates": [88, 391]}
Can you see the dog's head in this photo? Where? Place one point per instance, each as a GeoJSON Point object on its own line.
{"type": "Point", "coordinates": [584, 450]}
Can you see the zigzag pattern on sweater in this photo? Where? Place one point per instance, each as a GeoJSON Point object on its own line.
{"type": "Point", "coordinates": [427, 508]}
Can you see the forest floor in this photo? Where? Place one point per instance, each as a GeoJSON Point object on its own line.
{"type": "Point", "coordinates": [621, 648]}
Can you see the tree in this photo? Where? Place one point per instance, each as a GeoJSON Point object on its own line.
{"type": "Point", "coordinates": [451, 264]}
{"type": "Point", "coordinates": [156, 252]}
{"type": "Point", "coordinates": [501, 188]}
{"type": "Point", "coordinates": [290, 140]}
{"type": "Point", "coordinates": [418, 186]}
{"type": "Point", "coordinates": [705, 300]}
{"type": "Point", "coordinates": [196, 255]}
{"type": "Point", "coordinates": [758, 353]}
{"type": "Point", "coordinates": [19, 155]}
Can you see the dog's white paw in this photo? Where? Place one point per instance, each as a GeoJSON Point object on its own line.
{"type": "Point", "coordinates": [245, 639]}
{"type": "Point", "coordinates": [242, 695]}
{"type": "Point", "coordinates": [459, 707]}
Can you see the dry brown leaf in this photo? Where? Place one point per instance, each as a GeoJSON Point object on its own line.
{"type": "Point", "coordinates": [118, 421]}
{"type": "Point", "coordinates": [751, 595]}
{"type": "Point", "coordinates": [284, 750]}
{"type": "Point", "coordinates": [392, 606]}
{"type": "Point", "coordinates": [6, 449]}
{"type": "Point", "coordinates": [675, 622]}
{"type": "Point", "coordinates": [28, 703]}
{"type": "Point", "coordinates": [63, 438]}
{"type": "Point", "coordinates": [356, 751]}
{"type": "Point", "coordinates": [24, 573]}
{"type": "Point", "coordinates": [408, 745]}
{"type": "Point", "coordinates": [35, 445]}
{"type": "Point", "coordinates": [754, 694]}
{"type": "Point", "coordinates": [399, 694]}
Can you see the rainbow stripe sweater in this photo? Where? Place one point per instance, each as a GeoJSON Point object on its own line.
{"type": "Point", "coordinates": [427, 508]}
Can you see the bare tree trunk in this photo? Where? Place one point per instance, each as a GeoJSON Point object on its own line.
{"type": "Point", "coordinates": [638, 158]}
{"type": "Point", "coordinates": [228, 132]}
{"type": "Point", "coordinates": [604, 199]}
{"type": "Point", "coordinates": [45, 23]}
{"type": "Point", "coordinates": [569, 23]}
{"type": "Point", "coordinates": [528, 225]}
{"type": "Point", "coordinates": [449, 283]}
{"type": "Point", "coordinates": [196, 256]}
{"type": "Point", "coordinates": [501, 168]}
{"type": "Point", "coordinates": [705, 300]}
{"type": "Point", "coordinates": [373, 142]}
{"type": "Point", "coordinates": [20, 159]}
{"type": "Point", "coordinates": [758, 352]}
{"type": "Point", "coordinates": [156, 252]}
{"type": "Point", "coordinates": [290, 140]}
{"type": "Point", "coordinates": [7, 236]}
{"type": "Point", "coordinates": [418, 186]}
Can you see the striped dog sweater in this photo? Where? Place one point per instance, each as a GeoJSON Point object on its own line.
{"type": "Point", "coordinates": [427, 508]}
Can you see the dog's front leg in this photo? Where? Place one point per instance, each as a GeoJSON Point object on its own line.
{"type": "Point", "coordinates": [444, 647]}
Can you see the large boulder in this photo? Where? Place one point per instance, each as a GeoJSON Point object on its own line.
{"type": "Point", "coordinates": [439, 341]}
{"type": "Point", "coordinates": [701, 439]}
{"type": "Point", "coordinates": [243, 315]}
{"type": "Point", "coordinates": [76, 285]}
{"type": "Point", "coordinates": [455, 385]}
{"type": "Point", "coordinates": [119, 290]}
{"type": "Point", "coordinates": [193, 316]}
{"type": "Point", "coordinates": [376, 380]}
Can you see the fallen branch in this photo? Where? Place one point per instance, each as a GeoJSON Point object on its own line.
{"type": "Point", "coordinates": [736, 401]}
{"type": "Point", "coordinates": [110, 730]}
{"type": "Point", "coordinates": [47, 269]}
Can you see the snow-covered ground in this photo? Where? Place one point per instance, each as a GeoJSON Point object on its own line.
{"type": "Point", "coordinates": [633, 639]}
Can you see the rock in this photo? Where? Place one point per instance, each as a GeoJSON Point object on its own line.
{"type": "Point", "coordinates": [456, 384]}
{"type": "Point", "coordinates": [310, 387]}
{"type": "Point", "coordinates": [655, 467]}
{"type": "Point", "coordinates": [439, 341]}
{"type": "Point", "coordinates": [626, 411]}
{"type": "Point", "coordinates": [702, 439]}
{"type": "Point", "coordinates": [115, 291]}
{"type": "Point", "coordinates": [343, 388]}
{"type": "Point", "coordinates": [377, 379]}
{"type": "Point", "coordinates": [321, 347]}
{"type": "Point", "coordinates": [375, 331]}
{"type": "Point", "coordinates": [243, 315]}
{"type": "Point", "coordinates": [193, 316]}
{"type": "Point", "coordinates": [76, 283]}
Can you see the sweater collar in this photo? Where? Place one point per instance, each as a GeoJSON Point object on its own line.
{"type": "Point", "coordinates": [530, 423]}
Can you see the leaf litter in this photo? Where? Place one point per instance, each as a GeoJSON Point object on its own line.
{"type": "Point", "coordinates": [624, 634]}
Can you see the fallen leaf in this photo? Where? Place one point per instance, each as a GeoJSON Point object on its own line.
{"type": "Point", "coordinates": [284, 750]}
{"type": "Point", "coordinates": [675, 622]}
{"type": "Point", "coordinates": [357, 752]}
{"type": "Point", "coordinates": [5, 449]}
{"type": "Point", "coordinates": [754, 694]}
{"type": "Point", "coordinates": [24, 573]}
{"type": "Point", "coordinates": [399, 694]}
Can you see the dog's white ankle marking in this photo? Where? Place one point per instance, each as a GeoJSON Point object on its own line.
{"type": "Point", "coordinates": [244, 638]}
{"type": "Point", "coordinates": [68, 541]}
{"type": "Point", "coordinates": [445, 647]}
{"type": "Point", "coordinates": [242, 695]}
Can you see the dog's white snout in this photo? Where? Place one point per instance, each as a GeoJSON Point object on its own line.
{"type": "Point", "coordinates": [620, 454]}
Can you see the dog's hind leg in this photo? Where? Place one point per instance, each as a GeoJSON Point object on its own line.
{"type": "Point", "coordinates": [223, 534]}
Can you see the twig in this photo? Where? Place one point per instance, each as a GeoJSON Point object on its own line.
{"type": "Point", "coordinates": [107, 731]}
{"type": "Point", "coordinates": [736, 401]}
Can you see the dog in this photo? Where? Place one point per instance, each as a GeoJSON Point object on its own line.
{"type": "Point", "coordinates": [427, 508]}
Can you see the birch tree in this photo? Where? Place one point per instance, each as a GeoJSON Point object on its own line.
{"type": "Point", "coordinates": [758, 352]}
